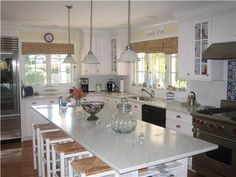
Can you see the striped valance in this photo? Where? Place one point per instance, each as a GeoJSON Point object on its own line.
{"type": "Point", "coordinates": [45, 48]}
{"type": "Point", "coordinates": [166, 45]}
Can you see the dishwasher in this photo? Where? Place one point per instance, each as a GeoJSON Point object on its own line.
{"type": "Point", "coordinates": [154, 115]}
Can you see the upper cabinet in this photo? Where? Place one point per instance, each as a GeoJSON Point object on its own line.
{"type": "Point", "coordinates": [194, 37]}
{"type": "Point", "coordinates": [197, 31]}
{"type": "Point", "coordinates": [119, 42]}
{"type": "Point", "coordinates": [224, 28]}
{"type": "Point", "coordinates": [101, 48]}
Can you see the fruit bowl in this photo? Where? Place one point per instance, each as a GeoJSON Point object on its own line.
{"type": "Point", "coordinates": [92, 107]}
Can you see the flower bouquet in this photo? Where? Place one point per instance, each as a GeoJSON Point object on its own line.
{"type": "Point", "coordinates": [77, 94]}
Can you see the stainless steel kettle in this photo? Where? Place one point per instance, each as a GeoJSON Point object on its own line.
{"type": "Point", "coordinates": [191, 99]}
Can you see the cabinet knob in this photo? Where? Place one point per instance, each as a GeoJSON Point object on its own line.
{"type": "Point", "coordinates": [135, 106]}
{"type": "Point", "coordinates": [34, 103]}
{"type": "Point", "coordinates": [178, 116]}
{"type": "Point", "coordinates": [188, 74]}
{"type": "Point", "coordinates": [52, 101]}
{"type": "Point", "coordinates": [178, 126]}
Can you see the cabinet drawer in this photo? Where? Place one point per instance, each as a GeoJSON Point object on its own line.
{"type": "Point", "coordinates": [179, 127]}
{"type": "Point", "coordinates": [179, 116]}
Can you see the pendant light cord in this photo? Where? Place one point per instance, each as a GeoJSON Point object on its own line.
{"type": "Point", "coordinates": [128, 22]}
{"type": "Point", "coordinates": [91, 19]}
{"type": "Point", "coordinates": [69, 7]}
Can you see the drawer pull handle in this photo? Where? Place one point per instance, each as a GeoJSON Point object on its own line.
{"type": "Point", "coordinates": [135, 106]}
{"type": "Point", "coordinates": [52, 101]}
{"type": "Point", "coordinates": [178, 126]}
{"type": "Point", "coordinates": [178, 116]}
{"type": "Point", "coordinates": [34, 103]}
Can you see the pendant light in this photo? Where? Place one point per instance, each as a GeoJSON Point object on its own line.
{"type": "Point", "coordinates": [91, 58]}
{"type": "Point", "coordinates": [69, 58]}
{"type": "Point", "coordinates": [128, 55]}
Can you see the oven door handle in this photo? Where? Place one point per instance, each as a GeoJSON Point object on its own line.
{"type": "Point", "coordinates": [196, 133]}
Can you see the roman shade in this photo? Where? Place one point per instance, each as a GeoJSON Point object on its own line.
{"type": "Point", "coordinates": [29, 48]}
{"type": "Point", "coordinates": [166, 45]}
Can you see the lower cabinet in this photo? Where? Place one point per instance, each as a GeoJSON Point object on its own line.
{"type": "Point", "coordinates": [136, 109]}
{"type": "Point", "coordinates": [29, 116]}
{"type": "Point", "coordinates": [181, 123]}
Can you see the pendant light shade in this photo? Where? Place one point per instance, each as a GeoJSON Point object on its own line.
{"type": "Point", "coordinates": [69, 58]}
{"type": "Point", "coordinates": [90, 58]}
{"type": "Point", "coordinates": [128, 55]}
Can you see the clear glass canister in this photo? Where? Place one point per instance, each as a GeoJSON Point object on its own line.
{"type": "Point", "coordinates": [123, 120]}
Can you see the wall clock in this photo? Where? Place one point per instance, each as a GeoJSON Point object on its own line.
{"type": "Point", "coordinates": [48, 37]}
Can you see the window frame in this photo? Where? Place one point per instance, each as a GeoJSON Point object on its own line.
{"type": "Point", "coordinates": [168, 71]}
{"type": "Point", "coordinates": [49, 72]}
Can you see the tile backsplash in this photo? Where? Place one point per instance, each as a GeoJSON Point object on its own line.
{"type": "Point", "coordinates": [231, 80]}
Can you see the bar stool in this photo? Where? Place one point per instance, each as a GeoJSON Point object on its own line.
{"type": "Point", "coordinates": [46, 141]}
{"type": "Point", "coordinates": [90, 167]}
{"type": "Point", "coordinates": [65, 152]}
{"type": "Point", "coordinates": [37, 129]}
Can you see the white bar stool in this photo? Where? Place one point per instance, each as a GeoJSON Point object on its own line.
{"type": "Point", "coordinates": [65, 152]}
{"type": "Point", "coordinates": [37, 129]}
{"type": "Point", "coordinates": [90, 167]}
{"type": "Point", "coordinates": [46, 141]}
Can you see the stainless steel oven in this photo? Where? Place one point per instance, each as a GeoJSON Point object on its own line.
{"type": "Point", "coordinates": [217, 163]}
{"type": "Point", "coordinates": [218, 126]}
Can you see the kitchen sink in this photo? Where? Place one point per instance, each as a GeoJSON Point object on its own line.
{"type": "Point", "coordinates": [140, 98]}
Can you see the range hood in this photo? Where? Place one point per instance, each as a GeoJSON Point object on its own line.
{"type": "Point", "coordinates": [220, 51]}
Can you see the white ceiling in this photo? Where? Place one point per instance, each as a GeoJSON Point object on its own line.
{"type": "Point", "coordinates": [106, 14]}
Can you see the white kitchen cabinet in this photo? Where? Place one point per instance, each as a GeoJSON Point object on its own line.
{"type": "Point", "coordinates": [110, 103]}
{"type": "Point", "coordinates": [194, 38]}
{"type": "Point", "coordinates": [224, 28]}
{"type": "Point", "coordinates": [180, 122]}
{"type": "Point", "coordinates": [119, 42]}
{"type": "Point", "coordinates": [136, 109]}
{"type": "Point", "coordinates": [29, 116]}
{"type": "Point", "coordinates": [101, 48]}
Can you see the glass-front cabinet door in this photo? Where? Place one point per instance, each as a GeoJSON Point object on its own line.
{"type": "Point", "coordinates": [201, 42]}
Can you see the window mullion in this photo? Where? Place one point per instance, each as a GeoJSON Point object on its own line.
{"type": "Point", "coordinates": [48, 72]}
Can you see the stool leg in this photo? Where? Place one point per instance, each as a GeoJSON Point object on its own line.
{"type": "Point", "coordinates": [70, 169]}
{"type": "Point", "coordinates": [42, 156]}
{"type": "Point", "coordinates": [54, 161]}
{"type": "Point", "coordinates": [48, 158]}
{"type": "Point", "coordinates": [62, 164]}
{"type": "Point", "coordinates": [39, 152]}
{"type": "Point", "coordinates": [34, 148]}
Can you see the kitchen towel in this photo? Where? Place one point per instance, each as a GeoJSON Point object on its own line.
{"type": "Point", "coordinates": [121, 86]}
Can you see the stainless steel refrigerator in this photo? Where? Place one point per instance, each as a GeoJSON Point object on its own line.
{"type": "Point", "coordinates": [10, 96]}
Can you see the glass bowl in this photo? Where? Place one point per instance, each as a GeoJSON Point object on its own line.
{"type": "Point", "coordinates": [92, 107]}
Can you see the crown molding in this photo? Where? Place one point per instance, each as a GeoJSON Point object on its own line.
{"type": "Point", "coordinates": [216, 9]}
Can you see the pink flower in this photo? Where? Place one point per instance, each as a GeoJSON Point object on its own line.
{"type": "Point", "coordinates": [77, 93]}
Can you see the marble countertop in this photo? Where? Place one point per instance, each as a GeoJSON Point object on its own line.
{"type": "Point", "coordinates": [124, 152]}
{"type": "Point", "coordinates": [158, 102]}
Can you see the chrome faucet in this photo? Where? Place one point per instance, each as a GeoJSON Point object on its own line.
{"type": "Point", "coordinates": [152, 93]}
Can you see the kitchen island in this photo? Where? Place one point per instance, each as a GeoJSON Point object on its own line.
{"type": "Point", "coordinates": [125, 153]}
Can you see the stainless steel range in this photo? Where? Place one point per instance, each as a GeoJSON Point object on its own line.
{"type": "Point", "coordinates": [218, 126]}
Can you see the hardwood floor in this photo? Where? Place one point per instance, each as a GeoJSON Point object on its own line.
{"type": "Point", "coordinates": [17, 161]}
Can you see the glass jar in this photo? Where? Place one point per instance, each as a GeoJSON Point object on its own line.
{"type": "Point", "coordinates": [123, 120]}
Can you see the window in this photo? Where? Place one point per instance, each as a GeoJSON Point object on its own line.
{"type": "Point", "coordinates": [47, 69]}
{"type": "Point", "coordinates": [157, 70]}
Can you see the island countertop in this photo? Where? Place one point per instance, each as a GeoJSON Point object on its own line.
{"type": "Point", "coordinates": [124, 152]}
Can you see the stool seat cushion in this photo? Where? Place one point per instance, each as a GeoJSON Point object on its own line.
{"type": "Point", "coordinates": [44, 126]}
{"type": "Point", "coordinates": [68, 148]}
{"type": "Point", "coordinates": [90, 166]}
{"type": "Point", "coordinates": [54, 135]}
